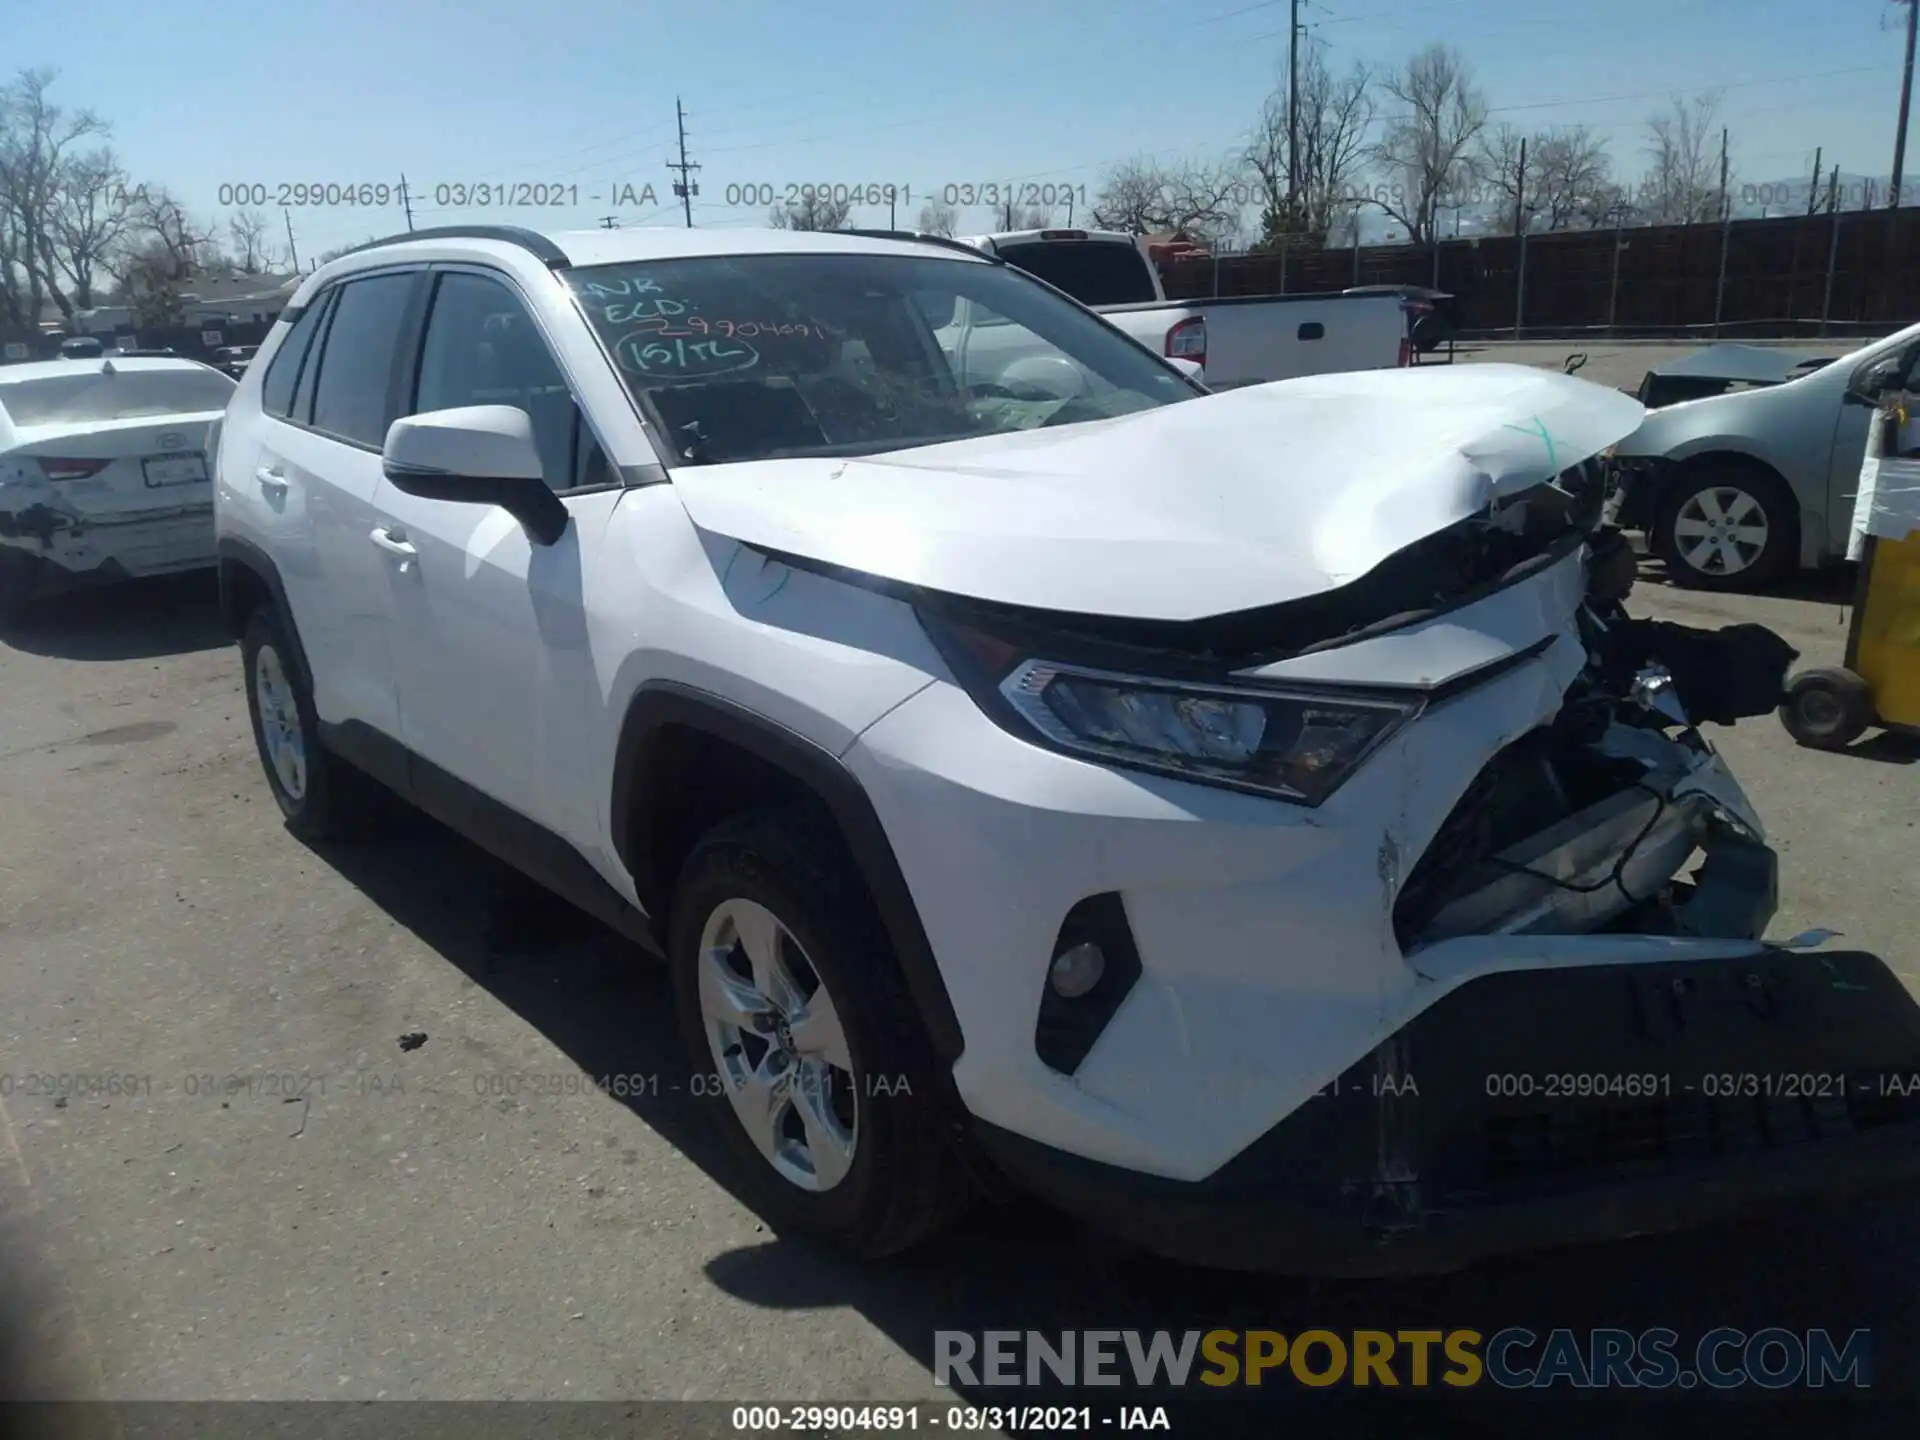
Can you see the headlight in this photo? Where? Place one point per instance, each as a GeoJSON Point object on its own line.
{"type": "Point", "coordinates": [1291, 744]}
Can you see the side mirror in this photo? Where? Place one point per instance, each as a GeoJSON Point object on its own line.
{"type": "Point", "coordinates": [1192, 369]}
{"type": "Point", "coordinates": [476, 455]}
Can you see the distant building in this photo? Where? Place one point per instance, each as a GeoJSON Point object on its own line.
{"type": "Point", "coordinates": [240, 300]}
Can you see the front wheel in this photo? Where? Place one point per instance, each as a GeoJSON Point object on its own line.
{"type": "Point", "coordinates": [1725, 527]}
{"type": "Point", "coordinates": [804, 1046]}
{"type": "Point", "coordinates": [321, 796]}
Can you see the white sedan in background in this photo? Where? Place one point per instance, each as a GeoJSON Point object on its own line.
{"type": "Point", "coordinates": [103, 471]}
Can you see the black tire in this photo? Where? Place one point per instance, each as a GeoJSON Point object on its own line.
{"type": "Point", "coordinates": [335, 801]}
{"type": "Point", "coordinates": [907, 1177]}
{"type": "Point", "coordinates": [1775, 559]}
{"type": "Point", "coordinates": [19, 577]}
{"type": "Point", "coordinates": [1827, 709]}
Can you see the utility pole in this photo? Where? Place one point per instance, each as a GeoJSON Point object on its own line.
{"type": "Point", "coordinates": [1813, 190]}
{"type": "Point", "coordinates": [1293, 109]}
{"type": "Point", "coordinates": [1906, 99]}
{"type": "Point", "coordinates": [684, 187]}
{"type": "Point", "coordinates": [406, 201]}
{"type": "Point", "coordinates": [292, 249]}
{"type": "Point", "coordinates": [609, 222]}
{"type": "Point", "coordinates": [1726, 234]}
{"type": "Point", "coordinates": [1521, 224]}
{"type": "Point", "coordinates": [1520, 188]}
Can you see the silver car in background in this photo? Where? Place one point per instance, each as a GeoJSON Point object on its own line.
{"type": "Point", "coordinates": [1737, 490]}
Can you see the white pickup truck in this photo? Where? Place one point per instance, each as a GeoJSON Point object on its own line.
{"type": "Point", "coordinates": [1241, 340]}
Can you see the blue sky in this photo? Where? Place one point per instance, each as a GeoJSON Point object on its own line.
{"type": "Point", "coordinates": [580, 93]}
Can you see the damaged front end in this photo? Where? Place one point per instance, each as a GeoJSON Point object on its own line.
{"type": "Point", "coordinates": [1586, 824]}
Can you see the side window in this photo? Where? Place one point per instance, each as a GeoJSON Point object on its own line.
{"type": "Point", "coordinates": [356, 360]}
{"type": "Point", "coordinates": [482, 348]}
{"type": "Point", "coordinates": [276, 391]}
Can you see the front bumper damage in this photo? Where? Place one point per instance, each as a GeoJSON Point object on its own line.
{"type": "Point", "coordinates": [1532, 1108]}
{"type": "Point", "coordinates": [1613, 1051]}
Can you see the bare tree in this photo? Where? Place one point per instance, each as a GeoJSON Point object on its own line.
{"type": "Point", "coordinates": [1683, 181]}
{"type": "Point", "coordinates": [252, 246]}
{"type": "Point", "coordinates": [160, 220]}
{"type": "Point", "coordinates": [36, 141]}
{"type": "Point", "coordinates": [1496, 175]}
{"type": "Point", "coordinates": [92, 209]}
{"type": "Point", "coordinates": [1332, 119]}
{"type": "Point", "coordinates": [1034, 217]}
{"type": "Point", "coordinates": [1575, 176]}
{"type": "Point", "coordinates": [938, 218]}
{"type": "Point", "coordinates": [150, 285]}
{"type": "Point", "coordinates": [338, 251]}
{"type": "Point", "coordinates": [814, 210]}
{"type": "Point", "coordinates": [1201, 198]}
{"type": "Point", "coordinates": [1425, 153]}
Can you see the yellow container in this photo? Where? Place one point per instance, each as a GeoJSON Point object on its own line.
{"type": "Point", "coordinates": [1883, 647]}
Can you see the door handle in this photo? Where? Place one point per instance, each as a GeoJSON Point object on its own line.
{"type": "Point", "coordinates": [271, 477]}
{"type": "Point", "coordinates": [393, 540]}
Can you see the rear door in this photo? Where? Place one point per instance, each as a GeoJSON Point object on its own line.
{"type": "Point", "coordinates": [314, 479]}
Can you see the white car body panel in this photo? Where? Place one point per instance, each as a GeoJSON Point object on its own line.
{"type": "Point", "coordinates": [1269, 954]}
{"type": "Point", "coordinates": [1299, 486]}
{"type": "Point", "coordinates": [1269, 959]}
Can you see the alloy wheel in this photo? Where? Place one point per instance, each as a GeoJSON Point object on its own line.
{"type": "Point", "coordinates": [1720, 531]}
{"type": "Point", "coordinates": [280, 729]}
{"type": "Point", "coordinates": [778, 1047]}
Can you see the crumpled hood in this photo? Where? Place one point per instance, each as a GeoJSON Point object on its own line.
{"type": "Point", "coordinates": [1223, 503]}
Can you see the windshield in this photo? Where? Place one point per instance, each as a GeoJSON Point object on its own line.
{"type": "Point", "coordinates": [752, 357]}
{"type": "Point", "coordinates": [1094, 272]}
{"type": "Point", "coordinates": [114, 395]}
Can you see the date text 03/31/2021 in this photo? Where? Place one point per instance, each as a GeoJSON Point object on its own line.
{"type": "Point", "coordinates": [965, 1419]}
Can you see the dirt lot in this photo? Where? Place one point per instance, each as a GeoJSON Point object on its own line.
{"type": "Point", "coordinates": [293, 1205]}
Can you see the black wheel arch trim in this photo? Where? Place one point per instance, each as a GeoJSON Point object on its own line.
{"type": "Point", "coordinates": [662, 703]}
{"type": "Point", "coordinates": [232, 551]}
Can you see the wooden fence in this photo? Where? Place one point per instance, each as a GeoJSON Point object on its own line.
{"type": "Point", "coordinates": [1789, 275]}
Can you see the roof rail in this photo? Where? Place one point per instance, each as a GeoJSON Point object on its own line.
{"type": "Point", "coordinates": [539, 245]}
{"type": "Point", "coordinates": [927, 238]}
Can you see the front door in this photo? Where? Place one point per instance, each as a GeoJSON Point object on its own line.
{"type": "Point", "coordinates": [496, 679]}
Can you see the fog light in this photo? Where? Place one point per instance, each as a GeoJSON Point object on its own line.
{"type": "Point", "coordinates": [1076, 971]}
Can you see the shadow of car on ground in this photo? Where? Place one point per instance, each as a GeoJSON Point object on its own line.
{"type": "Point", "coordinates": [132, 620]}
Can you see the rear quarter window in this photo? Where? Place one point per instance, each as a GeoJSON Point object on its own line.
{"type": "Point", "coordinates": [276, 392]}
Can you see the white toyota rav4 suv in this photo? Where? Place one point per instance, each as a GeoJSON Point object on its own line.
{"type": "Point", "coordinates": [1251, 820]}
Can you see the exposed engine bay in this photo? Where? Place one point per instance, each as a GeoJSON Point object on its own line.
{"type": "Point", "coordinates": [1586, 824]}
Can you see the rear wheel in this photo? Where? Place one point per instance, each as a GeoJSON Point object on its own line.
{"type": "Point", "coordinates": [321, 796]}
{"type": "Point", "coordinates": [804, 1046]}
{"type": "Point", "coordinates": [1726, 527]}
